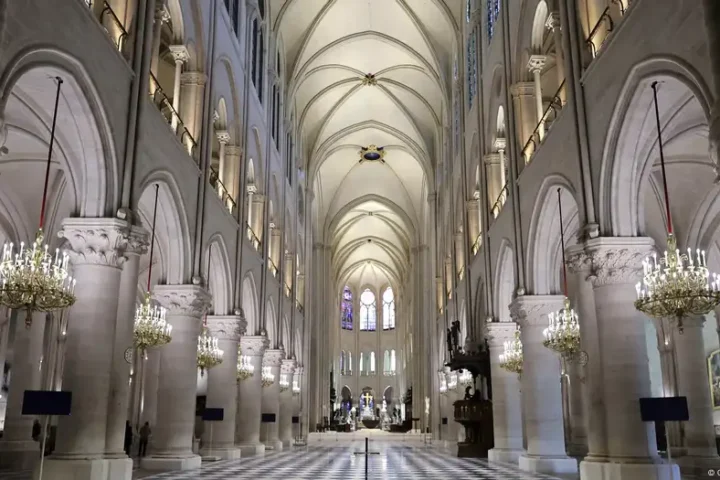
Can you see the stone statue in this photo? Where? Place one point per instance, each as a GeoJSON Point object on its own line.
{"type": "Point", "coordinates": [448, 339]}
{"type": "Point", "coordinates": [456, 335]}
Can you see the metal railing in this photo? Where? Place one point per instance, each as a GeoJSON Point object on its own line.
{"type": "Point", "coordinates": [273, 268]}
{"type": "Point", "coordinates": [288, 290]}
{"type": "Point", "coordinates": [476, 246]}
{"type": "Point", "coordinates": [299, 306]}
{"type": "Point", "coordinates": [546, 121]}
{"type": "Point", "coordinates": [461, 273]}
{"type": "Point", "coordinates": [502, 198]}
{"type": "Point", "coordinates": [164, 104]}
{"type": "Point", "coordinates": [253, 238]}
{"type": "Point", "coordinates": [113, 26]}
{"type": "Point", "coordinates": [604, 27]}
{"type": "Point", "coordinates": [221, 190]}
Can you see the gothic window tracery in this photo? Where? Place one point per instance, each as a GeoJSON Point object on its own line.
{"type": "Point", "coordinates": [388, 309]}
{"type": "Point", "coordinates": [346, 309]}
{"type": "Point", "coordinates": [493, 13]}
{"type": "Point", "coordinates": [368, 311]}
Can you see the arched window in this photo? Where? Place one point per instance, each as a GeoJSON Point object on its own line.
{"type": "Point", "coordinates": [258, 61]}
{"type": "Point", "coordinates": [392, 361]}
{"type": "Point", "coordinates": [349, 363]}
{"type": "Point", "coordinates": [456, 109]}
{"type": "Point", "coordinates": [233, 9]}
{"type": "Point", "coordinates": [372, 363]}
{"type": "Point", "coordinates": [493, 13]}
{"type": "Point", "coordinates": [362, 363]}
{"type": "Point", "coordinates": [342, 362]}
{"type": "Point", "coordinates": [388, 309]}
{"type": "Point", "coordinates": [471, 63]}
{"type": "Point", "coordinates": [346, 309]}
{"type": "Point", "coordinates": [368, 313]}
{"type": "Point", "coordinates": [261, 7]}
{"type": "Point", "coordinates": [276, 103]}
{"type": "Point", "coordinates": [386, 362]}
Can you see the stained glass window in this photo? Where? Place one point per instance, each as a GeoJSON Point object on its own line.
{"type": "Point", "coordinates": [493, 13]}
{"type": "Point", "coordinates": [456, 109]}
{"type": "Point", "coordinates": [388, 309]}
{"type": "Point", "coordinates": [472, 67]}
{"type": "Point", "coordinates": [342, 363]}
{"type": "Point", "coordinates": [362, 363]}
{"type": "Point", "coordinates": [368, 313]}
{"type": "Point", "coordinates": [392, 360]}
{"type": "Point", "coordinates": [372, 362]}
{"type": "Point", "coordinates": [386, 362]}
{"type": "Point", "coordinates": [349, 363]}
{"type": "Point", "coordinates": [346, 309]}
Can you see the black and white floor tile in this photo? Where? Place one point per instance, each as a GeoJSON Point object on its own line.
{"type": "Point", "coordinates": [393, 461]}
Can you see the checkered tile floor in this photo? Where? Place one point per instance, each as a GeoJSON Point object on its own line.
{"type": "Point", "coordinates": [394, 462]}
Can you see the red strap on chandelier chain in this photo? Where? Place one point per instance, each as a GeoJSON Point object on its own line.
{"type": "Point", "coordinates": [50, 150]}
{"type": "Point", "coordinates": [152, 238]}
{"type": "Point", "coordinates": [562, 244]}
{"type": "Point", "coordinates": [662, 158]}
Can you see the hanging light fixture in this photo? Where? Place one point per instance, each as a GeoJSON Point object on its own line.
{"type": "Point", "coordinates": [443, 387]}
{"type": "Point", "coordinates": [151, 329]}
{"type": "Point", "coordinates": [268, 378]}
{"type": "Point", "coordinates": [452, 382]}
{"type": "Point", "coordinates": [284, 382]}
{"type": "Point", "coordinates": [296, 388]}
{"type": "Point", "coordinates": [30, 277]}
{"type": "Point", "coordinates": [676, 285]}
{"type": "Point", "coordinates": [563, 333]}
{"type": "Point", "coordinates": [512, 357]}
{"type": "Point", "coordinates": [245, 368]}
{"type": "Point", "coordinates": [465, 378]}
{"type": "Point", "coordinates": [209, 354]}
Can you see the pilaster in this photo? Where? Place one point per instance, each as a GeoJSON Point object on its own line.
{"type": "Point", "coordinates": [249, 400]}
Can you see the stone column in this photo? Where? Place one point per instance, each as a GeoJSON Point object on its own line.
{"type": "Point", "coordinates": [250, 398]}
{"type": "Point", "coordinates": [473, 207]}
{"type": "Point", "coordinates": [271, 400]}
{"type": "Point", "coordinates": [192, 88]}
{"type": "Point", "coordinates": [150, 400]}
{"type": "Point", "coordinates": [692, 383]}
{"type": "Point", "coordinates": [578, 443]}
{"type": "Point", "coordinates": [177, 385]}
{"type": "Point", "coordinates": [233, 159]}
{"type": "Point", "coordinates": [288, 275]}
{"type": "Point", "coordinates": [541, 389]}
{"type": "Point", "coordinates": [123, 340]}
{"type": "Point", "coordinates": [223, 137]}
{"type": "Point", "coordinates": [18, 451]}
{"type": "Point", "coordinates": [180, 55]}
{"type": "Point", "coordinates": [162, 15]}
{"type": "Point", "coordinates": [711, 10]}
{"type": "Point", "coordinates": [523, 95]}
{"type": "Point", "coordinates": [221, 392]}
{"type": "Point", "coordinates": [285, 434]}
{"type": "Point", "coordinates": [553, 23]}
{"type": "Point", "coordinates": [632, 452]}
{"type": "Point", "coordinates": [258, 208]}
{"type": "Point", "coordinates": [96, 248]}
{"type": "Point", "coordinates": [500, 146]}
{"type": "Point", "coordinates": [536, 65]}
{"type": "Point", "coordinates": [507, 401]}
{"type": "Point", "coordinates": [298, 379]}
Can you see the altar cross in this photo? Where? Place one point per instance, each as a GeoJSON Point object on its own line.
{"type": "Point", "coordinates": [367, 397]}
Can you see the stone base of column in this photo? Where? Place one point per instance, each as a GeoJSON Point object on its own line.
{"type": "Point", "coordinates": [696, 466]}
{"type": "Point", "coordinates": [59, 468]}
{"type": "Point", "coordinates": [171, 463]}
{"type": "Point", "coordinates": [19, 455]}
{"type": "Point", "coordinates": [250, 449]}
{"type": "Point", "coordinates": [577, 450]}
{"type": "Point", "coordinates": [287, 443]}
{"type": "Point", "coordinates": [275, 445]}
{"type": "Point", "coordinates": [505, 455]}
{"type": "Point", "coordinates": [547, 464]}
{"type": "Point", "coordinates": [628, 471]}
{"type": "Point", "coordinates": [120, 468]}
{"type": "Point", "coordinates": [224, 453]}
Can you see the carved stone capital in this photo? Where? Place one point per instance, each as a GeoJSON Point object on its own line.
{"type": "Point", "coordinates": [617, 260]}
{"type": "Point", "coordinates": [162, 13]}
{"type": "Point", "coordinates": [226, 327]}
{"type": "Point", "coordinates": [578, 260]}
{"type": "Point", "coordinates": [499, 333]}
{"type": "Point", "coordinates": [185, 300]}
{"type": "Point", "coordinates": [193, 78]}
{"type": "Point", "coordinates": [179, 53]}
{"type": "Point", "coordinates": [537, 63]}
{"type": "Point", "coordinates": [500, 144]}
{"type": "Point", "coordinates": [287, 366]}
{"type": "Point", "coordinates": [553, 21]}
{"type": "Point", "coordinates": [96, 241]}
{"type": "Point", "coordinates": [223, 136]}
{"type": "Point", "coordinates": [136, 240]}
{"type": "Point", "coordinates": [273, 357]}
{"type": "Point", "coordinates": [533, 310]}
{"type": "Point", "coordinates": [254, 345]}
{"type": "Point", "coordinates": [299, 371]}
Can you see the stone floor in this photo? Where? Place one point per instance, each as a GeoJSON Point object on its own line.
{"type": "Point", "coordinates": [391, 461]}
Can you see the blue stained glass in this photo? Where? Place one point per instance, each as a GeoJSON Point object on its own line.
{"type": "Point", "coordinates": [346, 309]}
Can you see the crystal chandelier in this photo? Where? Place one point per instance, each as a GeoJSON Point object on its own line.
{"type": "Point", "coordinates": [31, 278]}
{"type": "Point", "coordinates": [296, 388]}
{"type": "Point", "coordinates": [284, 383]}
{"type": "Point", "coordinates": [268, 378]}
{"type": "Point", "coordinates": [151, 329]}
{"type": "Point", "coordinates": [512, 357]}
{"type": "Point", "coordinates": [563, 333]}
{"type": "Point", "coordinates": [245, 368]}
{"type": "Point", "coordinates": [676, 285]}
{"type": "Point", "coordinates": [209, 354]}
{"type": "Point", "coordinates": [443, 383]}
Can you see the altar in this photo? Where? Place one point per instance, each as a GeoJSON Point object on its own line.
{"type": "Point", "coordinates": [367, 411]}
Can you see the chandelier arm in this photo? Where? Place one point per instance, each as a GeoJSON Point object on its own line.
{"type": "Point", "coordinates": [662, 157]}
{"type": "Point", "coordinates": [50, 150]}
{"type": "Point", "coordinates": [562, 245]}
{"type": "Point", "coordinates": [152, 238]}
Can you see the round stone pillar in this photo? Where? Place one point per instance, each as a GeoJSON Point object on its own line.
{"type": "Point", "coordinates": [632, 450]}
{"type": "Point", "coordinates": [692, 382]}
{"type": "Point", "coordinates": [18, 451]}
{"type": "Point", "coordinates": [507, 404]}
{"type": "Point", "coordinates": [271, 400]}
{"type": "Point", "coordinates": [119, 398]}
{"type": "Point", "coordinates": [285, 426]}
{"type": "Point", "coordinates": [177, 385]}
{"type": "Point", "coordinates": [541, 389]}
{"type": "Point", "coordinates": [221, 392]}
{"type": "Point", "coordinates": [578, 442]}
{"type": "Point", "coordinates": [250, 398]}
{"type": "Point", "coordinates": [96, 249]}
